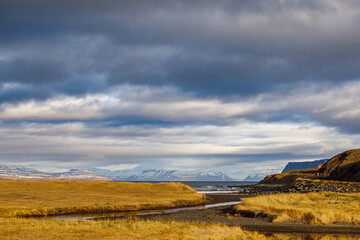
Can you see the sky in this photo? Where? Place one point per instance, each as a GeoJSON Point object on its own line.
{"type": "Point", "coordinates": [237, 86]}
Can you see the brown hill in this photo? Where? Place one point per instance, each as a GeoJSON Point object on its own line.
{"type": "Point", "coordinates": [343, 167]}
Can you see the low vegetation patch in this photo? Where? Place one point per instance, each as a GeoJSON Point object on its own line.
{"type": "Point", "coordinates": [30, 229]}
{"type": "Point", "coordinates": [312, 208]}
{"type": "Point", "coordinates": [36, 198]}
{"type": "Point", "coordinates": [289, 177]}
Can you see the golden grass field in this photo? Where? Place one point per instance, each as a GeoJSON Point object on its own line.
{"type": "Point", "coordinates": [312, 208]}
{"type": "Point", "coordinates": [30, 229]}
{"type": "Point", "coordinates": [40, 198]}
{"type": "Point", "coordinates": [29, 198]}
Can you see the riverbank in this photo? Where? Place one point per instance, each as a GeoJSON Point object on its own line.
{"type": "Point", "coordinates": [324, 208]}
{"type": "Point", "coordinates": [223, 215]}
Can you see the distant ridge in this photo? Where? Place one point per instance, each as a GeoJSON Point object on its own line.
{"type": "Point", "coordinates": [24, 173]}
{"type": "Point", "coordinates": [260, 174]}
{"type": "Point", "coordinates": [255, 177]}
{"type": "Point", "coordinates": [302, 165]}
{"type": "Point", "coordinates": [163, 175]}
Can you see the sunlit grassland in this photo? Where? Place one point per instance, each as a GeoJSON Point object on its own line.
{"type": "Point", "coordinates": [17, 228]}
{"type": "Point", "coordinates": [37, 198]}
{"type": "Point", "coordinates": [313, 208]}
{"type": "Point", "coordinates": [31, 229]}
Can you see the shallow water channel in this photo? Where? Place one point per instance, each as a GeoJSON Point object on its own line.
{"type": "Point", "coordinates": [89, 216]}
{"type": "Point", "coordinates": [280, 236]}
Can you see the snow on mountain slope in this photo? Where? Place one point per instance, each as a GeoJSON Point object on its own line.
{"type": "Point", "coordinates": [260, 174]}
{"type": "Point", "coordinates": [255, 177]}
{"type": "Point", "coordinates": [22, 173]}
{"type": "Point", "coordinates": [163, 175]}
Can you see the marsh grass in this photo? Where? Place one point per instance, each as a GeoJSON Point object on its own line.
{"type": "Point", "coordinates": [30, 229]}
{"type": "Point", "coordinates": [312, 208]}
{"type": "Point", "coordinates": [36, 198]}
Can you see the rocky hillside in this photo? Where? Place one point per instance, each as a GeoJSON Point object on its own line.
{"type": "Point", "coordinates": [343, 167]}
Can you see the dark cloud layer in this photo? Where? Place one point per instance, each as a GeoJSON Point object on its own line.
{"type": "Point", "coordinates": [208, 47]}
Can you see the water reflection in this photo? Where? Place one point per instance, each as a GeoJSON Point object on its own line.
{"type": "Point", "coordinates": [89, 216]}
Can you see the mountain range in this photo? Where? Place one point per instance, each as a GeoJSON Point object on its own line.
{"type": "Point", "coordinates": [260, 174]}
{"type": "Point", "coordinates": [162, 175]}
{"type": "Point", "coordinates": [97, 174]}
{"type": "Point", "coordinates": [255, 177]}
{"type": "Point", "coordinates": [24, 173]}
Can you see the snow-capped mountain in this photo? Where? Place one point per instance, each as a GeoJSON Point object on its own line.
{"type": "Point", "coordinates": [255, 177]}
{"type": "Point", "coordinates": [163, 175]}
{"type": "Point", "coordinates": [260, 174]}
{"type": "Point", "coordinates": [23, 173]}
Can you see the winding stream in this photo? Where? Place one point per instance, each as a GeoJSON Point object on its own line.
{"type": "Point", "coordinates": [297, 236]}
{"type": "Point", "coordinates": [89, 216]}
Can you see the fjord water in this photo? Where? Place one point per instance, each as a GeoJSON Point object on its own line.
{"type": "Point", "coordinates": [213, 186]}
{"type": "Point", "coordinates": [217, 186]}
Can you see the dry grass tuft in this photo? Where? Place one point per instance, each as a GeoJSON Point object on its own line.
{"type": "Point", "coordinates": [312, 208]}
{"type": "Point", "coordinates": [32, 198]}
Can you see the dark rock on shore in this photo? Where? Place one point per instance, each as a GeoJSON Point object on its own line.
{"type": "Point", "coordinates": [304, 186]}
{"type": "Point", "coordinates": [299, 186]}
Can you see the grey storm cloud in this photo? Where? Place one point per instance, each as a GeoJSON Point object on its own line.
{"type": "Point", "coordinates": [32, 71]}
{"type": "Point", "coordinates": [207, 47]}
